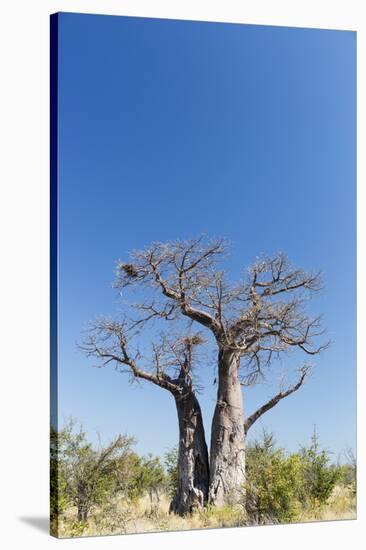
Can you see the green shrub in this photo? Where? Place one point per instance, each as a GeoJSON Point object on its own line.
{"type": "Point", "coordinates": [171, 466]}
{"type": "Point", "coordinates": [273, 483]}
{"type": "Point", "coordinates": [83, 476]}
{"type": "Point", "coordinates": [280, 487]}
{"type": "Point", "coordinates": [319, 477]}
{"type": "Point", "coordinates": [151, 480]}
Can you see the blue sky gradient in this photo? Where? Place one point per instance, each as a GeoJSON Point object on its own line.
{"type": "Point", "coordinates": [171, 129]}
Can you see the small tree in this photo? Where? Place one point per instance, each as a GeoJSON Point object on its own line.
{"type": "Point", "coordinates": [90, 475]}
{"type": "Point", "coordinates": [319, 477]}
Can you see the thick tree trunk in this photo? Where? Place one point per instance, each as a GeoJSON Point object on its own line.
{"type": "Point", "coordinates": [193, 466]}
{"type": "Point", "coordinates": [227, 457]}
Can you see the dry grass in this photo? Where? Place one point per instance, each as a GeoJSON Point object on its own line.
{"type": "Point", "coordinates": [118, 517]}
{"type": "Point", "coordinates": [341, 505]}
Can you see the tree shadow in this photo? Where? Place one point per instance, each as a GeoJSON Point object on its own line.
{"type": "Point", "coordinates": [37, 522]}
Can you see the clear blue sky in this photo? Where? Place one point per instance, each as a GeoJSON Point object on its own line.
{"type": "Point", "coordinates": [170, 129]}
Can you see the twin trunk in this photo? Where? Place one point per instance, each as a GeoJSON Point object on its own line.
{"type": "Point", "coordinates": [223, 481]}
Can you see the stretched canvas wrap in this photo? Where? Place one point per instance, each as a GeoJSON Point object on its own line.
{"type": "Point", "coordinates": [202, 275]}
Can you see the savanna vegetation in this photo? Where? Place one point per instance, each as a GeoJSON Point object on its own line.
{"type": "Point", "coordinates": [189, 308]}
{"type": "Point", "coordinates": [112, 490]}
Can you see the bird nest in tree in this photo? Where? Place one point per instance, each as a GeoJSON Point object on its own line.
{"type": "Point", "coordinates": [130, 270]}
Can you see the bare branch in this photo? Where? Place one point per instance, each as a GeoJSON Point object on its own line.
{"type": "Point", "coordinates": [184, 274]}
{"type": "Point", "coordinates": [304, 371]}
{"type": "Point", "coordinates": [109, 341]}
{"type": "Point", "coordinates": [182, 271]}
{"type": "Point", "coordinates": [257, 320]}
{"type": "Point", "coordinates": [268, 326]}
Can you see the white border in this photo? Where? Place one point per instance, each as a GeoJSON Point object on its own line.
{"type": "Point", "coordinates": [24, 264]}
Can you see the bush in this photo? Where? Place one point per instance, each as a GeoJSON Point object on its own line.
{"type": "Point", "coordinates": [348, 472]}
{"type": "Point", "coordinates": [82, 476]}
{"type": "Point", "coordinates": [274, 481]}
{"type": "Point", "coordinates": [171, 466]}
{"type": "Point", "coordinates": [151, 480]}
{"type": "Point", "coordinates": [319, 477]}
{"type": "Point", "coordinates": [281, 487]}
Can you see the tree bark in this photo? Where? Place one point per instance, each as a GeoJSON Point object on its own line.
{"type": "Point", "coordinates": [193, 465]}
{"type": "Point", "coordinates": [227, 456]}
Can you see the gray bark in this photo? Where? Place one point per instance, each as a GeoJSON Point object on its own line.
{"type": "Point", "coordinates": [227, 456]}
{"type": "Point", "coordinates": [193, 465]}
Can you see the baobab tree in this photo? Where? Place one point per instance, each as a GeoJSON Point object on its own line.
{"type": "Point", "coordinates": [169, 367]}
{"type": "Point", "coordinates": [253, 322]}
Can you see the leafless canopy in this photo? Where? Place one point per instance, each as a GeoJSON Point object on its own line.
{"type": "Point", "coordinates": [259, 318]}
{"type": "Point", "coordinates": [168, 366]}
